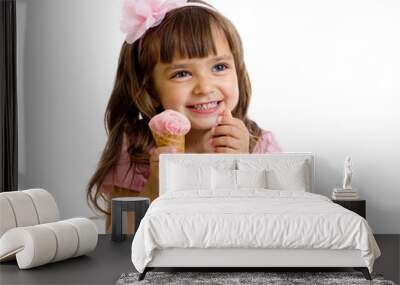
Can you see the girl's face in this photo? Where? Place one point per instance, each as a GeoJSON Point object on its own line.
{"type": "Point", "coordinates": [187, 82]}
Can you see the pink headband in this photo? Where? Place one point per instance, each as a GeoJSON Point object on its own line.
{"type": "Point", "coordinates": [140, 15]}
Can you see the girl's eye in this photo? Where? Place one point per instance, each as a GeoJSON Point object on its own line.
{"type": "Point", "coordinates": [180, 74]}
{"type": "Point", "coordinates": [220, 67]}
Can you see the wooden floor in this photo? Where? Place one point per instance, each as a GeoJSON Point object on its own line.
{"type": "Point", "coordinates": [111, 259]}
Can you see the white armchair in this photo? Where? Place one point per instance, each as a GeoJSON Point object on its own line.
{"type": "Point", "coordinates": [31, 230]}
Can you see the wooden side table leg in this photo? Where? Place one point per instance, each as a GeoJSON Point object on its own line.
{"type": "Point", "coordinates": [116, 216]}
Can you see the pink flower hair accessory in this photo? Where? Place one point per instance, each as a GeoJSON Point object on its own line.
{"type": "Point", "coordinates": [140, 15]}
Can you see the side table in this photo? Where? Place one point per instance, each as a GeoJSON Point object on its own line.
{"type": "Point", "coordinates": [357, 206]}
{"type": "Point", "coordinates": [139, 205]}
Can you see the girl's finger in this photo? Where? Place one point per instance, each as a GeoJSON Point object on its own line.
{"type": "Point", "coordinates": [223, 107]}
{"type": "Point", "coordinates": [226, 141]}
{"type": "Point", "coordinates": [225, 150]}
{"type": "Point", "coordinates": [227, 112]}
{"type": "Point", "coordinates": [228, 130]}
{"type": "Point", "coordinates": [224, 120]}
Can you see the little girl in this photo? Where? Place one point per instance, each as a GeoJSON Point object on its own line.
{"type": "Point", "coordinates": [178, 55]}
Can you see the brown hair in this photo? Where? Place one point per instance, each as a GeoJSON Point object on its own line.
{"type": "Point", "coordinates": [186, 31]}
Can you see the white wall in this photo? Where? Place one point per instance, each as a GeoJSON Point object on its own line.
{"type": "Point", "coordinates": [325, 77]}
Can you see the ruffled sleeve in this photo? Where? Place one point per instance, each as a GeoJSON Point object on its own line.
{"type": "Point", "coordinates": [267, 143]}
{"type": "Point", "coordinates": [122, 176]}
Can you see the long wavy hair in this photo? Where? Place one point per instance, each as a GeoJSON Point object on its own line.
{"type": "Point", "coordinates": [186, 31]}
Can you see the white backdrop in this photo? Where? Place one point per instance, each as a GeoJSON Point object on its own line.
{"type": "Point", "coordinates": [325, 78]}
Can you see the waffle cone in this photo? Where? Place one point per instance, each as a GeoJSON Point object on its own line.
{"type": "Point", "coordinates": [177, 141]}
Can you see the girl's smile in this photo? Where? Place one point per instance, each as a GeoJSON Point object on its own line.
{"type": "Point", "coordinates": [206, 109]}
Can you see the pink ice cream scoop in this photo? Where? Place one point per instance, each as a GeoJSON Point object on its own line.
{"type": "Point", "coordinates": [170, 122]}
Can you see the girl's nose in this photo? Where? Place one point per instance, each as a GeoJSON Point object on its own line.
{"type": "Point", "coordinates": [204, 85]}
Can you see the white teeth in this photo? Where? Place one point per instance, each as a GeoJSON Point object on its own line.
{"type": "Point", "coordinates": [206, 106]}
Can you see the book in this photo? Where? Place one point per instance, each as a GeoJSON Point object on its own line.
{"type": "Point", "coordinates": [341, 190]}
{"type": "Point", "coordinates": [340, 197]}
{"type": "Point", "coordinates": [346, 199]}
{"type": "Point", "coordinates": [345, 194]}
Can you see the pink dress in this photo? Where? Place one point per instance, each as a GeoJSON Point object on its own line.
{"type": "Point", "coordinates": [121, 177]}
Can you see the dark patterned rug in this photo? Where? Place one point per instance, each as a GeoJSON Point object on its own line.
{"type": "Point", "coordinates": [270, 278]}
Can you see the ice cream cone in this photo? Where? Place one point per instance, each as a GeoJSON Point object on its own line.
{"type": "Point", "coordinates": [177, 141]}
{"type": "Point", "coordinates": [169, 129]}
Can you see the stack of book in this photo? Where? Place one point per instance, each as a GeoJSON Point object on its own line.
{"type": "Point", "coordinates": [344, 194]}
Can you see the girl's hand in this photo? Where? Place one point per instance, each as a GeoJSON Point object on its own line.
{"type": "Point", "coordinates": [230, 135]}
